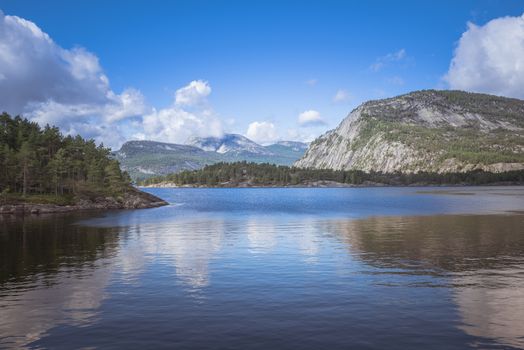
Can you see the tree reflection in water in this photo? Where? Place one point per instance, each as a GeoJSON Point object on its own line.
{"type": "Point", "coordinates": [55, 272]}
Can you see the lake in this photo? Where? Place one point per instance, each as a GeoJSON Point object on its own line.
{"type": "Point", "coordinates": [290, 268]}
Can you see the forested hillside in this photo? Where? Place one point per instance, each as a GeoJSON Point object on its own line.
{"type": "Point", "coordinates": [43, 165]}
{"type": "Point", "coordinates": [144, 159]}
{"type": "Point", "coordinates": [243, 174]}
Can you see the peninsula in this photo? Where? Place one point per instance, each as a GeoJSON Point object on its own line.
{"type": "Point", "coordinates": [43, 171]}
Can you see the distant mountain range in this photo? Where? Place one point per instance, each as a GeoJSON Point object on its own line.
{"type": "Point", "coordinates": [143, 159]}
{"type": "Point", "coordinates": [231, 144]}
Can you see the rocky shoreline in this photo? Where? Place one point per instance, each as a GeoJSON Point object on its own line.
{"type": "Point", "coordinates": [247, 184]}
{"type": "Point", "coordinates": [133, 199]}
{"type": "Point", "coordinates": [324, 184]}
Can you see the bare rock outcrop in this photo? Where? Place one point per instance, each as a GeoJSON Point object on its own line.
{"type": "Point", "coordinates": [434, 131]}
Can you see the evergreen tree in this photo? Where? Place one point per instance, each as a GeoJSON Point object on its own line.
{"type": "Point", "coordinates": [231, 174]}
{"type": "Point", "coordinates": [114, 177]}
{"type": "Point", "coordinates": [42, 161]}
{"type": "Point", "coordinates": [26, 158]}
{"type": "Point", "coordinates": [57, 169]}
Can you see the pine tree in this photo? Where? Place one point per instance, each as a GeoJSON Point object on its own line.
{"type": "Point", "coordinates": [43, 161]}
{"type": "Point", "coordinates": [114, 178]}
{"type": "Point", "coordinates": [26, 159]}
{"type": "Point", "coordinates": [57, 169]}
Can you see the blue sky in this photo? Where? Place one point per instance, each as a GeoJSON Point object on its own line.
{"type": "Point", "coordinates": [263, 61]}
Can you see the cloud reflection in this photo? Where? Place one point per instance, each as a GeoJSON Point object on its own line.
{"type": "Point", "coordinates": [187, 246]}
{"type": "Point", "coordinates": [66, 298]}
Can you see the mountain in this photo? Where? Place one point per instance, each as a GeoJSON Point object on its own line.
{"type": "Point", "coordinates": [437, 131]}
{"type": "Point", "coordinates": [143, 159]}
{"type": "Point", "coordinates": [231, 144]}
{"type": "Point", "coordinates": [288, 150]}
{"type": "Point", "coordinates": [294, 147]}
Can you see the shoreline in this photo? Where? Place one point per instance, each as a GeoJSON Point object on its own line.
{"type": "Point", "coordinates": [329, 184]}
{"type": "Point", "coordinates": [135, 199]}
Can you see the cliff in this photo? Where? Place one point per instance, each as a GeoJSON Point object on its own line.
{"type": "Point", "coordinates": [434, 131]}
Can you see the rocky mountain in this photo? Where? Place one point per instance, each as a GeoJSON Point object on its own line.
{"type": "Point", "coordinates": [231, 144]}
{"type": "Point", "coordinates": [437, 131]}
{"type": "Point", "coordinates": [143, 159]}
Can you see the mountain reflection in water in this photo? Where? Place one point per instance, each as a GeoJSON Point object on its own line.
{"type": "Point", "coordinates": [481, 258]}
{"type": "Point", "coordinates": [262, 281]}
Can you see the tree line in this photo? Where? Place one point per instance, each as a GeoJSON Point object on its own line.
{"type": "Point", "coordinates": [233, 174]}
{"type": "Point", "coordinates": [41, 161]}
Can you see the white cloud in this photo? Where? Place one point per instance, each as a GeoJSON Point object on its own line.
{"type": "Point", "coordinates": [67, 88]}
{"type": "Point", "coordinates": [190, 115]}
{"type": "Point", "coordinates": [342, 96]}
{"type": "Point", "coordinates": [88, 120]}
{"type": "Point", "coordinates": [193, 94]}
{"type": "Point", "coordinates": [262, 132]}
{"type": "Point", "coordinates": [177, 125]}
{"type": "Point", "coordinates": [382, 61]}
{"type": "Point", "coordinates": [490, 58]}
{"type": "Point", "coordinates": [310, 118]}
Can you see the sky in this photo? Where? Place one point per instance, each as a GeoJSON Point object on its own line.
{"type": "Point", "coordinates": [271, 70]}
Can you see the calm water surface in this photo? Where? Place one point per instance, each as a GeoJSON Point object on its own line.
{"type": "Point", "coordinates": [401, 268]}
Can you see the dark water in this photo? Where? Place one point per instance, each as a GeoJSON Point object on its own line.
{"type": "Point", "coordinates": [272, 269]}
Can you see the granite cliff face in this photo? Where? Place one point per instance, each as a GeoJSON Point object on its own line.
{"type": "Point", "coordinates": [436, 131]}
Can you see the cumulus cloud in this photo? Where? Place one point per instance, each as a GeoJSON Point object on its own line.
{"type": "Point", "coordinates": [194, 93]}
{"type": "Point", "coordinates": [342, 96]}
{"type": "Point", "coordinates": [490, 58]}
{"type": "Point", "coordinates": [262, 132]}
{"type": "Point", "coordinates": [382, 61]}
{"type": "Point", "coordinates": [310, 118]}
{"type": "Point", "coordinates": [68, 88]}
{"type": "Point", "coordinates": [176, 124]}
